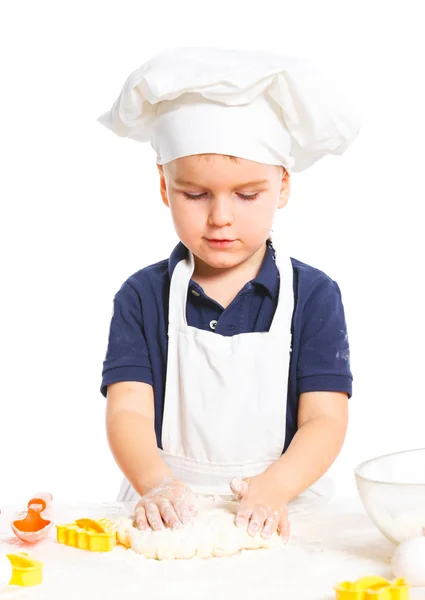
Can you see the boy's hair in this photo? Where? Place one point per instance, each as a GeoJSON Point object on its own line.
{"type": "Point", "coordinates": [234, 158]}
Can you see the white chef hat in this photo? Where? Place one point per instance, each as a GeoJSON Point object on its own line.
{"type": "Point", "coordinates": [260, 106]}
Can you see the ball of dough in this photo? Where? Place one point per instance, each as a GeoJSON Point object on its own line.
{"type": "Point", "coordinates": [167, 549]}
{"type": "Point", "coordinates": [212, 533]}
{"type": "Point", "coordinates": [409, 561]}
{"type": "Point", "coordinates": [143, 542]}
{"type": "Point", "coordinates": [123, 527]}
{"type": "Point", "coordinates": [184, 543]}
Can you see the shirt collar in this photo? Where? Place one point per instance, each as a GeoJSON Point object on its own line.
{"type": "Point", "coordinates": [268, 276]}
{"type": "Point", "coordinates": [179, 253]}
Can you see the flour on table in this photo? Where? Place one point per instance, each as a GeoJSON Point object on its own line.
{"type": "Point", "coordinates": [212, 533]}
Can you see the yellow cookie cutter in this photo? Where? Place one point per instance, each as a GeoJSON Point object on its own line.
{"type": "Point", "coordinates": [86, 534]}
{"type": "Point", "coordinates": [26, 571]}
{"type": "Point", "coordinates": [372, 588]}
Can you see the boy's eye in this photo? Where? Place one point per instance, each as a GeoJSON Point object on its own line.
{"type": "Point", "coordinates": [199, 196]}
{"type": "Point", "coordinates": [194, 196]}
{"type": "Point", "coordinates": [249, 196]}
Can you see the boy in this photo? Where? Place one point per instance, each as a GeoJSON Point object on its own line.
{"type": "Point", "coordinates": [227, 364]}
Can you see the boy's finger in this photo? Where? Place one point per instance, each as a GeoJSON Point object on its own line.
{"type": "Point", "coordinates": [271, 524]}
{"type": "Point", "coordinates": [239, 488]}
{"type": "Point", "coordinates": [153, 516]}
{"type": "Point", "coordinates": [182, 510]}
{"type": "Point", "coordinates": [243, 516]}
{"type": "Point", "coordinates": [258, 518]}
{"type": "Point", "coordinates": [140, 518]}
{"type": "Point", "coordinates": [284, 528]}
{"type": "Point", "coordinates": [168, 514]}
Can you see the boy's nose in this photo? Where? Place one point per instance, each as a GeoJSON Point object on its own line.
{"type": "Point", "coordinates": [221, 212]}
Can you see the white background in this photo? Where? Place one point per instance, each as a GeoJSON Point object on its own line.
{"type": "Point", "coordinates": [81, 211]}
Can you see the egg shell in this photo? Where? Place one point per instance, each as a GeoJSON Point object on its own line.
{"type": "Point", "coordinates": [409, 561]}
{"type": "Point", "coordinates": [32, 537]}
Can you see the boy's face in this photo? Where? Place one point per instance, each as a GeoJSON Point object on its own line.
{"type": "Point", "coordinates": [223, 209]}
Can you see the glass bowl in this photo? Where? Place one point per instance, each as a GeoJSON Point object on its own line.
{"type": "Point", "coordinates": [392, 489]}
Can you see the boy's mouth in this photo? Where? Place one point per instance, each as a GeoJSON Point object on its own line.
{"type": "Point", "coordinates": [219, 243]}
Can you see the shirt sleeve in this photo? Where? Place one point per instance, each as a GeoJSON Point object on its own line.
{"type": "Point", "coordinates": [324, 356]}
{"type": "Point", "coordinates": [127, 356]}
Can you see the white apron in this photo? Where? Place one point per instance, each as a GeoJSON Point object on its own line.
{"type": "Point", "coordinates": [225, 396]}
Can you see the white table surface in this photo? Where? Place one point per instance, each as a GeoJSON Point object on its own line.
{"type": "Point", "coordinates": [331, 541]}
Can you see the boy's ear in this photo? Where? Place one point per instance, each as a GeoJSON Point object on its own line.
{"type": "Point", "coordinates": [162, 185]}
{"type": "Point", "coordinates": [285, 189]}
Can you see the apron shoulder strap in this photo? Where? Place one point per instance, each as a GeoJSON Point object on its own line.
{"type": "Point", "coordinates": [179, 284]}
{"type": "Point", "coordinates": [282, 320]}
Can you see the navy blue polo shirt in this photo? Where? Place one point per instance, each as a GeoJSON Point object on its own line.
{"type": "Point", "coordinates": [137, 346]}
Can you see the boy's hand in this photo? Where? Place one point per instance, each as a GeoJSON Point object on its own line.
{"type": "Point", "coordinates": [262, 507]}
{"type": "Point", "coordinates": [168, 502]}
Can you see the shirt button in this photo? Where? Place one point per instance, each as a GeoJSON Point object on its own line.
{"type": "Point", "coordinates": [195, 293]}
{"type": "Point", "coordinates": [213, 324]}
